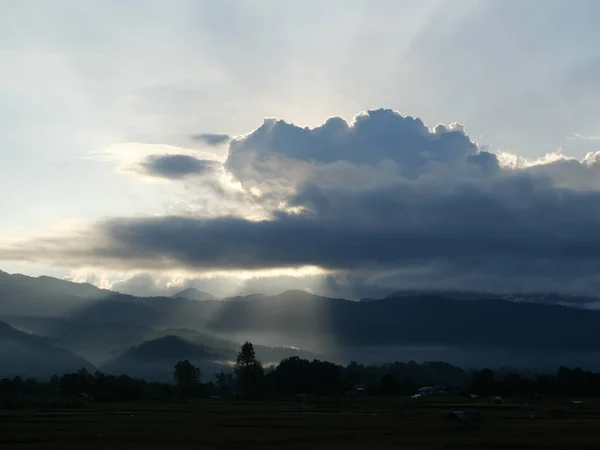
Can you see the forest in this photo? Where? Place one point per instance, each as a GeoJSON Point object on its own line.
{"type": "Point", "coordinates": [293, 377]}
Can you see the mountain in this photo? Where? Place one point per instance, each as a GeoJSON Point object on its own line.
{"type": "Point", "coordinates": [194, 294]}
{"type": "Point", "coordinates": [422, 325]}
{"type": "Point", "coordinates": [44, 295]}
{"type": "Point", "coordinates": [51, 286]}
{"type": "Point", "coordinates": [115, 311]}
{"type": "Point", "coordinates": [169, 348]}
{"type": "Point", "coordinates": [51, 297]}
{"type": "Point", "coordinates": [95, 340]}
{"type": "Point", "coordinates": [28, 355]}
{"type": "Point", "coordinates": [548, 298]}
{"type": "Point", "coordinates": [484, 329]}
{"type": "Point", "coordinates": [155, 359]}
{"type": "Point", "coordinates": [368, 300]}
{"type": "Point", "coordinates": [229, 349]}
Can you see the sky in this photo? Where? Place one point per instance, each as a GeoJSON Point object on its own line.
{"type": "Point", "coordinates": [347, 147]}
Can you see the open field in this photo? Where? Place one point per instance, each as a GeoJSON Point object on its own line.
{"type": "Point", "coordinates": [354, 424]}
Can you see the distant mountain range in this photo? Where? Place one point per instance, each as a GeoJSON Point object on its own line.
{"type": "Point", "coordinates": [115, 331]}
{"type": "Point", "coordinates": [27, 355]}
{"type": "Point", "coordinates": [155, 359]}
{"type": "Point", "coordinates": [524, 297]}
{"type": "Point", "coordinates": [194, 294]}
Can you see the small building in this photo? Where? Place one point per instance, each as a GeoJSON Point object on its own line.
{"type": "Point", "coordinates": [427, 391]}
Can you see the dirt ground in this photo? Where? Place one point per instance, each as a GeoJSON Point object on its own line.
{"type": "Point", "coordinates": [349, 424]}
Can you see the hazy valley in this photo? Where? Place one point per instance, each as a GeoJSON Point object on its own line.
{"type": "Point", "coordinates": [45, 317]}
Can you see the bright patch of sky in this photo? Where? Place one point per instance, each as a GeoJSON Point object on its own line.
{"type": "Point", "coordinates": [123, 78]}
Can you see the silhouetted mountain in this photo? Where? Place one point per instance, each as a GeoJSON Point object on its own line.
{"type": "Point", "coordinates": [424, 320]}
{"type": "Point", "coordinates": [553, 299]}
{"type": "Point", "coordinates": [171, 348]}
{"type": "Point", "coordinates": [50, 286]}
{"type": "Point", "coordinates": [194, 294]}
{"type": "Point", "coordinates": [453, 294]}
{"type": "Point", "coordinates": [101, 323]}
{"type": "Point", "coordinates": [51, 297]}
{"type": "Point", "coordinates": [155, 359]}
{"type": "Point", "coordinates": [114, 311]}
{"type": "Point", "coordinates": [95, 340]}
{"type": "Point", "coordinates": [27, 355]}
{"type": "Point", "coordinates": [44, 295]}
{"type": "Point", "coordinates": [229, 349]}
{"type": "Point", "coordinates": [526, 297]}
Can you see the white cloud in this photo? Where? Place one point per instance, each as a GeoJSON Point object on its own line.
{"type": "Point", "coordinates": [577, 136]}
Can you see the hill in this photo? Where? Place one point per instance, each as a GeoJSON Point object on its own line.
{"type": "Point", "coordinates": [415, 320]}
{"type": "Point", "coordinates": [44, 295]}
{"type": "Point", "coordinates": [524, 297]}
{"type": "Point", "coordinates": [155, 359]}
{"type": "Point", "coordinates": [468, 332]}
{"type": "Point", "coordinates": [194, 294]}
{"type": "Point", "coordinates": [229, 349]}
{"type": "Point", "coordinates": [438, 325]}
{"type": "Point", "coordinates": [28, 355]}
{"type": "Point", "coordinates": [169, 348]}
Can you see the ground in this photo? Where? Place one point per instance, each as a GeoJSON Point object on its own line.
{"type": "Point", "coordinates": [326, 424]}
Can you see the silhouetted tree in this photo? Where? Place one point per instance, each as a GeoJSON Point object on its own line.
{"type": "Point", "coordinates": [187, 378]}
{"type": "Point", "coordinates": [483, 383]}
{"type": "Point", "coordinates": [74, 384]}
{"type": "Point", "coordinates": [353, 373]}
{"type": "Point", "coordinates": [389, 385]}
{"type": "Point", "coordinates": [225, 383]}
{"type": "Point", "coordinates": [295, 375]}
{"type": "Point", "coordinates": [249, 373]}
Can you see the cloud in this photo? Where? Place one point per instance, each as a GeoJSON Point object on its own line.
{"type": "Point", "coordinates": [580, 137]}
{"type": "Point", "coordinates": [212, 140]}
{"type": "Point", "coordinates": [153, 161]}
{"type": "Point", "coordinates": [373, 137]}
{"type": "Point", "coordinates": [219, 284]}
{"type": "Point", "coordinates": [513, 222]}
{"type": "Point", "coordinates": [564, 170]}
{"type": "Point", "coordinates": [176, 167]}
{"type": "Point", "coordinates": [382, 202]}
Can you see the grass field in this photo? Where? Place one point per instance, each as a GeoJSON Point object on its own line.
{"type": "Point", "coordinates": [351, 424]}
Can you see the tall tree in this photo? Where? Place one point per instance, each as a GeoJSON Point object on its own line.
{"type": "Point", "coordinates": [187, 377]}
{"type": "Point", "coordinates": [249, 373]}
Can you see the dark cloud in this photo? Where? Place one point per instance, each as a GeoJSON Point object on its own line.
{"type": "Point", "coordinates": [384, 202]}
{"type": "Point", "coordinates": [176, 166]}
{"type": "Point", "coordinates": [508, 225]}
{"type": "Point", "coordinates": [402, 224]}
{"type": "Point", "coordinates": [212, 139]}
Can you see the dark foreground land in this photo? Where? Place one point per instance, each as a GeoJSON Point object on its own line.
{"type": "Point", "coordinates": [348, 424]}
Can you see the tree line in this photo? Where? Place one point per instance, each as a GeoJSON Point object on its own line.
{"type": "Point", "coordinates": [293, 376]}
{"type": "Point", "coordinates": [565, 382]}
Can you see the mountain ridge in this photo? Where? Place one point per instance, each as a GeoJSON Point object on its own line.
{"type": "Point", "coordinates": [24, 354]}
{"type": "Point", "coordinates": [194, 294]}
{"type": "Point", "coordinates": [100, 327]}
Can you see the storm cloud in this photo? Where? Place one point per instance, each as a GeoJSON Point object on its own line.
{"type": "Point", "coordinates": [175, 166]}
{"type": "Point", "coordinates": [517, 221]}
{"type": "Point", "coordinates": [377, 201]}
{"type": "Point", "coordinates": [211, 139]}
